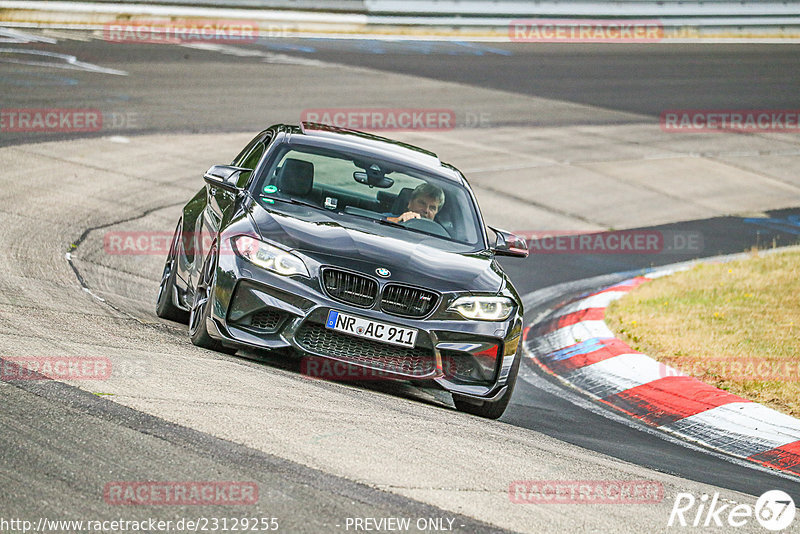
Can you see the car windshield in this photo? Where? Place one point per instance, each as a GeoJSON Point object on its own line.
{"type": "Point", "coordinates": [371, 194]}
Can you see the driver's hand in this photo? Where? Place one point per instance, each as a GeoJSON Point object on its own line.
{"type": "Point", "coordinates": [407, 216]}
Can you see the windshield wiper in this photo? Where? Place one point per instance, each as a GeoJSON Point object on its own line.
{"type": "Point", "coordinates": [290, 200]}
{"type": "Point", "coordinates": [399, 225]}
{"type": "Point", "coordinates": [379, 220]}
{"type": "Point", "coordinates": [386, 222]}
{"type": "Point", "coordinates": [390, 223]}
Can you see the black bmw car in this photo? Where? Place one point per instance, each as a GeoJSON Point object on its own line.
{"type": "Point", "coordinates": [349, 248]}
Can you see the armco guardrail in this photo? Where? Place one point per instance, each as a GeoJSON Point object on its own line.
{"type": "Point", "coordinates": [345, 6]}
{"type": "Point", "coordinates": [577, 8]}
{"type": "Point", "coordinates": [494, 9]}
{"type": "Point", "coordinates": [490, 19]}
{"type": "Point", "coordinates": [681, 18]}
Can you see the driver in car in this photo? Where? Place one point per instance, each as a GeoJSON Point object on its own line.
{"type": "Point", "coordinates": [425, 202]}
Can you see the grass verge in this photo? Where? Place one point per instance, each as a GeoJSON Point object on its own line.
{"type": "Point", "coordinates": [733, 325]}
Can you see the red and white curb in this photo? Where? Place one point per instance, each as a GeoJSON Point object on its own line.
{"type": "Point", "coordinates": [574, 344]}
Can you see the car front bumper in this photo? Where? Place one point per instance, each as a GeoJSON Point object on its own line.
{"type": "Point", "coordinates": [257, 309]}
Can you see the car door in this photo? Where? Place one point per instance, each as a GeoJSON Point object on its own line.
{"type": "Point", "coordinates": [220, 203]}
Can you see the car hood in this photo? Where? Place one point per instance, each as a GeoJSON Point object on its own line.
{"type": "Point", "coordinates": [411, 259]}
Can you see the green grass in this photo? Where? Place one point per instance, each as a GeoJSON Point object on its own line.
{"type": "Point", "coordinates": [734, 325]}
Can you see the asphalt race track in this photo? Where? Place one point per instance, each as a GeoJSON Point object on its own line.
{"type": "Point", "coordinates": [675, 75]}
{"type": "Point", "coordinates": [321, 453]}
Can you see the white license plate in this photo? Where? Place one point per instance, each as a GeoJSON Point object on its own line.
{"type": "Point", "coordinates": [366, 328]}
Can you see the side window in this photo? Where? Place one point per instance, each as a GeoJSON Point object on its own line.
{"type": "Point", "coordinates": [237, 161]}
{"type": "Point", "coordinates": [249, 162]}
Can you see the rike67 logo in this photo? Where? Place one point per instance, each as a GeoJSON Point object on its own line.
{"type": "Point", "coordinates": [774, 510]}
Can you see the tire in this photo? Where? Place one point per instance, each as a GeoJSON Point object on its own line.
{"type": "Point", "coordinates": [200, 311]}
{"type": "Point", "coordinates": [165, 305]}
{"type": "Point", "coordinates": [493, 410]}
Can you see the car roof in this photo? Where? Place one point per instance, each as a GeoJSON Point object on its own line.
{"type": "Point", "coordinates": [403, 152]}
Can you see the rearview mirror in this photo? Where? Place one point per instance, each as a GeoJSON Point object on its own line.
{"type": "Point", "coordinates": [225, 177]}
{"type": "Point", "coordinates": [508, 244]}
{"type": "Point", "coordinates": [373, 176]}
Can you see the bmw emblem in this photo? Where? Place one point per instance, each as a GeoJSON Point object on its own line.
{"type": "Point", "coordinates": [384, 273]}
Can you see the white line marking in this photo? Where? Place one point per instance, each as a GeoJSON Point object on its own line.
{"type": "Point", "coordinates": [595, 301]}
{"type": "Point", "coordinates": [7, 35]}
{"type": "Point", "coordinates": [69, 62]}
{"type": "Point", "coordinates": [620, 373]}
{"type": "Point", "coordinates": [268, 57]}
{"type": "Point", "coordinates": [742, 428]}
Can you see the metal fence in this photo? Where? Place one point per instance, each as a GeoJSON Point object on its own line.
{"type": "Point", "coordinates": [497, 13]}
{"type": "Point", "coordinates": [509, 8]}
{"type": "Point", "coordinates": [345, 6]}
{"type": "Point", "coordinates": [575, 8]}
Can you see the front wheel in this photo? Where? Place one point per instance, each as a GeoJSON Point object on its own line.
{"type": "Point", "coordinates": [200, 312]}
{"type": "Point", "coordinates": [165, 305]}
{"type": "Point", "coordinates": [492, 410]}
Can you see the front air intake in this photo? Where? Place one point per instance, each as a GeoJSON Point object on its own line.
{"type": "Point", "coordinates": [350, 287]}
{"type": "Point", "coordinates": [408, 301]}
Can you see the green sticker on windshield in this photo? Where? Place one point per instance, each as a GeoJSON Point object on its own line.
{"type": "Point", "coordinates": [270, 189]}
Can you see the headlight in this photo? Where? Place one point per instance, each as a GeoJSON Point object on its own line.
{"type": "Point", "coordinates": [269, 257]}
{"type": "Point", "coordinates": [483, 308]}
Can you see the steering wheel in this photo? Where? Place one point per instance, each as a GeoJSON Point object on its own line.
{"type": "Point", "coordinates": [426, 225]}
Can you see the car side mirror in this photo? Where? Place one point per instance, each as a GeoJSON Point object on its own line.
{"type": "Point", "coordinates": [225, 177]}
{"type": "Point", "coordinates": [508, 244]}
